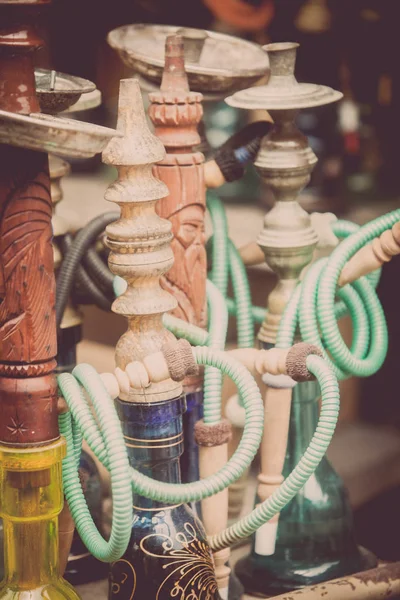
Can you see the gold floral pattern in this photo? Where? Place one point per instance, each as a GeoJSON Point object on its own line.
{"type": "Point", "coordinates": [188, 562]}
{"type": "Point", "coordinates": [123, 579]}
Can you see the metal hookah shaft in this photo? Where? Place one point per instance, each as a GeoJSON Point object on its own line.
{"type": "Point", "coordinates": [285, 162]}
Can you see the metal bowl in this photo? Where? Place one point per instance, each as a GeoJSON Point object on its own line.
{"type": "Point", "coordinates": [56, 135]}
{"type": "Point", "coordinates": [57, 91]}
{"type": "Point", "coordinates": [226, 64]}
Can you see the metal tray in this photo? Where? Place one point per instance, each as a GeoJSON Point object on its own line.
{"type": "Point", "coordinates": [56, 135]}
{"type": "Point", "coordinates": [226, 64]}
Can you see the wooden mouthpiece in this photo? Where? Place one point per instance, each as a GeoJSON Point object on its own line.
{"type": "Point", "coordinates": [373, 256]}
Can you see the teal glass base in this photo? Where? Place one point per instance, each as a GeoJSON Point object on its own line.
{"type": "Point", "coordinates": [315, 539]}
{"type": "Point", "coordinates": [267, 578]}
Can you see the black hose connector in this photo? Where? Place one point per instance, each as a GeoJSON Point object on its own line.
{"type": "Point", "coordinates": [240, 149]}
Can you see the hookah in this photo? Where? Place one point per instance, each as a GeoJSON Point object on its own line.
{"type": "Point", "coordinates": [185, 173]}
{"type": "Point", "coordinates": [61, 93]}
{"type": "Point", "coordinates": [319, 516]}
{"type": "Point", "coordinates": [31, 448]}
{"type": "Point", "coordinates": [82, 567]}
{"type": "Point", "coordinates": [161, 550]}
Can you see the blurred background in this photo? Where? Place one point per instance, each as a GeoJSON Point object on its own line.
{"type": "Point", "coordinates": [349, 45]}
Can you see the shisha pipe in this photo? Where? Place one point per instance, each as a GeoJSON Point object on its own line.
{"type": "Point", "coordinates": [30, 445]}
{"type": "Point", "coordinates": [285, 162]}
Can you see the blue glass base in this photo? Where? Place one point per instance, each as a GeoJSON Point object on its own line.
{"type": "Point", "coordinates": [168, 555]}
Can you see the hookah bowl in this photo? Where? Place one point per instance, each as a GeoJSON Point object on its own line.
{"type": "Point", "coordinates": [240, 64]}
{"type": "Point", "coordinates": [314, 538]}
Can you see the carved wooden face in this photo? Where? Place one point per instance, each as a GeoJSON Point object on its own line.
{"type": "Point", "coordinates": [190, 267]}
{"type": "Point", "coordinates": [188, 225]}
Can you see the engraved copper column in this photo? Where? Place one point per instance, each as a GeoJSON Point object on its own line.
{"type": "Point", "coordinates": [176, 112]}
{"type": "Point", "coordinates": [28, 414]}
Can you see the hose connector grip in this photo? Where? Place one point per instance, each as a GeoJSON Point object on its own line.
{"type": "Point", "coordinates": [296, 361]}
{"type": "Point", "coordinates": [180, 360]}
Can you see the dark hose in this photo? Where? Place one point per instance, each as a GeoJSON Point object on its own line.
{"type": "Point", "coordinates": [70, 267]}
{"type": "Point", "coordinates": [98, 269]}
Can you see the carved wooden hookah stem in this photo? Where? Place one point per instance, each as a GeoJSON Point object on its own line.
{"type": "Point", "coordinates": [176, 112]}
{"type": "Point", "coordinates": [28, 413]}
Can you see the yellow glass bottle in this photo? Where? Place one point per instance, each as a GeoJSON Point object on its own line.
{"type": "Point", "coordinates": [31, 499]}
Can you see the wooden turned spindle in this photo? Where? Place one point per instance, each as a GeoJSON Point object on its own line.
{"type": "Point", "coordinates": [373, 256]}
{"type": "Point", "coordinates": [140, 244]}
{"type": "Point", "coordinates": [213, 455]}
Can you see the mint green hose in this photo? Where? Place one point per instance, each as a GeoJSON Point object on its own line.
{"type": "Point", "coordinates": [310, 460]}
{"type": "Point", "coordinates": [226, 262]}
{"type": "Point", "coordinates": [220, 243]}
{"type": "Point", "coordinates": [109, 446]}
{"type": "Point", "coordinates": [109, 436]}
{"type": "Point", "coordinates": [218, 327]}
{"type": "Point", "coordinates": [312, 307]}
{"type": "Point", "coordinates": [106, 441]}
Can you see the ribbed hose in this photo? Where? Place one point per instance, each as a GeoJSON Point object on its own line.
{"type": "Point", "coordinates": [304, 469]}
{"type": "Point", "coordinates": [107, 444]}
{"type": "Point", "coordinates": [220, 244]}
{"type": "Point", "coordinates": [218, 327]}
{"type": "Point", "coordinates": [312, 307]}
{"type": "Point", "coordinates": [258, 312]}
{"type": "Point", "coordinates": [243, 305]}
{"type": "Point", "coordinates": [92, 293]}
{"type": "Point", "coordinates": [71, 261]}
{"type": "Point", "coordinates": [226, 261]}
{"type": "Point", "coordinates": [98, 269]}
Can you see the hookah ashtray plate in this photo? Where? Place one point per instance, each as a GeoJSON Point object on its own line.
{"type": "Point", "coordinates": [271, 97]}
{"type": "Point", "coordinates": [55, 135]}
{"type": "Point", "coordinates": [225, 64]}
{"type": "Point", "coordinates": [86, 102]}
{"type": "Point", "coordinates": [283, 91]}
{"type": "Point", "coordinates": [57, 91]}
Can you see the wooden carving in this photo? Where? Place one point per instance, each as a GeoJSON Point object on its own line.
{"type": "Point", "coordinates": [139, 242]}
{"type": "Point", "coordinates": [28, 391]}
{"type": "Point", "coordinates": [27, 286]}
{"type": "Point", "coordinates": [176, 113]}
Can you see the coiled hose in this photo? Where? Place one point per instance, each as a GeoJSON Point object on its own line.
{"type": "Point", "coordinates": [312, 307]}
{"type": "Point", "coordinates": [106, 441]}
